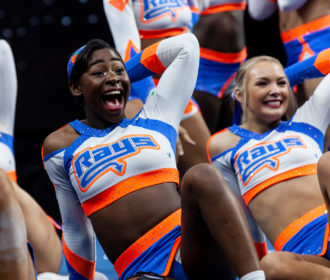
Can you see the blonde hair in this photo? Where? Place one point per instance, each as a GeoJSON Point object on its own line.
{"type": "Point", "coordinates": [241, 83]}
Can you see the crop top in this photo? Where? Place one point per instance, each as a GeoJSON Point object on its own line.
{"type": "Point", "coordinates": [291, 149]}
{"type": "Point", "coordinates": [101, 166]}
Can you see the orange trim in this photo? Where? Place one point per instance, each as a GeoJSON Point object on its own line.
{"type": "Point", "coordinates": [128, 50]}
{"type": "Point", "coordinates": [222, 57]}
{"type": "Point", "coordinates": [151, 61]}
{"type": "Point", "coordinates": [225, 86]}
{"type": "Point", "coordinates": [261, 248]}
{"type": "Point", "coordinates": [12, 175]}
{"type": "Point", "coordinates": [129, 185]}
{"type": "Point", "coordinates": [195, 10]}
{"type": "Point", "coordinates": [175, 247]}
{"type": "Point", "coordinates": [322, 61]}
{"type": "Point", "coordinates": [297, 172]}
{"type": "Point", "coordinates": [305, 49]}
{"type": "Point", "coordinates": [298, 224]}
{"type": "Point", "coordinates": [162, 33]}
{"type": "Point", "coordinates": [148, 239]}
{"type": "Point", "coordinates": [118, 4]}
{"type": "Point", "coordinates": [224, 8]}
{"type": "Point", "coordinates": [208, 143]}
{"type": "Point", "coordinates": [305, 28]}
{"type": "Point", "coordinates": [84, 267]}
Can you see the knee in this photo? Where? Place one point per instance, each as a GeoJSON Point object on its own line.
{"type": "Point", "coordinates": [323, 164]}
{"type": "Point", "coordinates": [276, 265]}
{"type": "Point", "coordinates": [201, 178]}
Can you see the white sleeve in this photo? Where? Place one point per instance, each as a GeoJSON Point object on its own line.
{"type": "Point", "coordinates": [8, 88]}
{"type": "Point", "coordinates": [123, 27]}
{"type": "Point", "coordinates": [78, 234]}
{"type": "Point", "coordinates": [316, 111]}
{"type": "Point", "coordinates": [261, 9]}
{"type": "Point", "coordinates": [228, 173]}
{"type": "Point", "coordinates": [180, 56]}
{"type": "Point", "coordinates": [290, 5]}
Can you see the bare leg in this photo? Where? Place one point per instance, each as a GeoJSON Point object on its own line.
{"type": "Point", "coordinates": [215, 234]}
{"type": "Point", "coordinates": [41, 233]}
{"type": "Point", "coordinates": [290, 266]}
{"type": "Point", "coordinates": [15, 261]}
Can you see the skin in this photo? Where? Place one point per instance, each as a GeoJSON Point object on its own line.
{"type": "Point", "coordinates": [15, 260]}
{"type": "Point", "coordinates": [266, 82]}
{"type": "Point", "coordinates": [227, 32]}
{"type": "Point", "coordinates": [204, 192]}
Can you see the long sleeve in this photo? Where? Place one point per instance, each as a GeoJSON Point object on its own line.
{"type": "Point", "coordinates": [8, 88]}
{"type": "Point", "coordinates": [78, 236]}
{"type": "Point", "coordinates": [177, 59]}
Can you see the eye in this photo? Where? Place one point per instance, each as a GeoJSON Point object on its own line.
{"type": "Point", "coordinates": [99, 73]}
{"type": "Point", "coordinates": [261, 83]}
{"type": "Point", "coordinates": [119, 71]}
{"type": "Point", "coordinates": [282, 83]}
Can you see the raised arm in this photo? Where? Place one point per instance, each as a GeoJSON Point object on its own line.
{"type": "Point", "coordinates": [8, 88]}
{"type": "Point", "coordinates": [177, 59]}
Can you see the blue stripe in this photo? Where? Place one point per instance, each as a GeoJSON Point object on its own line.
{"type": "Point", "coordinates": [74, 275]}
{"type": "Point", "coordinates": [8, 140]}
{"type": "Point", "coordinates": [136, 71]}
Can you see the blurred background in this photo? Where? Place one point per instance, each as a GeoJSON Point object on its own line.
{"type": "Point", "coordinates": [43, 34]}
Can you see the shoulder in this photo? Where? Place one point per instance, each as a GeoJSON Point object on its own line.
{"type": "Point", "coordinates": [59, 139]}
{"type": "Point", "coordinates": [222, 141]}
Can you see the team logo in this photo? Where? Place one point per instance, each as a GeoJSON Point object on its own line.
{"type": "Point", "coordinates": [154, 9]}
{"type": "Point", "coordinates": [265, 155]}
{"type": "Point", "coordinates": [91, 163]}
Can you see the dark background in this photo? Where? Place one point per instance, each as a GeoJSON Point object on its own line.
{"type": "Point", "coordinates": [42, 34]}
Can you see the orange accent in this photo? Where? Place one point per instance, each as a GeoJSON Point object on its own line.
{"type": "Point", "coordinates": [12, 175]}
{"type": "Point", "coordinates": [151, 61]}
{"type": "Point", "coordinates": [297, 172]}
{"type": "Point", "coordinates": [191, 107]}
{"type": "Point", "coordinates": [226, 84]}
{"type": "Point", "coordinates": [56, 225]}
{"type": "Point", "coordinates": [261, 248]}
{"type": "Point", "coordinates": [147, 240]}
{"type": "Point", "coordinates": [156, 80]}
{"type": "Point", "coordinates": [128, 51]}
{"type": "Point", "coordinates": [305, 28]}
{"type": "Point", "coordinates": [305, 48]}
{"type": "Point", "coordinates": [121, 160]}
{"type": "Point", "coordinates": [223, 57]}
{"type": "Point", "coordinates": [73, 59]}
{"type": "Point", "coordinates": [171, 257]}
{"type": "Point", "coordinates": [195, 10]}
{"type": "Point", "coordinates": [209, 140]}
{"type": "Point", "coordinates": [298, 224]}
{"type": "Point", "coordinates": [84, 267]}
{"type": "Point", "coordinates": [119, 4]}
{"type": "Point", "coordinates": [322, 61]}
{"type": "Point", "coordinates": [128, 186]}
{"type": "Point", "coordinates": [224, 8]}
{"type": "Point", "coordinates": [162, 33]}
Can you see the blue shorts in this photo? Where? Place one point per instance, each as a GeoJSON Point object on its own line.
{"type": "Point", "coordinates": [312, 237]}
{"type": "Point", "coordinates": [306, 40]}
{"type": "Point", "coordinates": [156, 259]}
{"type": "Point", "coordinates": [217, 70]}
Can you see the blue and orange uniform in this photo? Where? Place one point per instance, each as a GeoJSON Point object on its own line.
{"type": "Point", "coordinates": [133, 20]}
{"type": "Point", "coordinates": [217, 69]}
{"type": "Point", "coordinates": [260, 161]}
{"type": "Point", "coordinates": [102, 166]}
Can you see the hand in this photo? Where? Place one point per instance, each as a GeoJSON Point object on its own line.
{"type": "Point", "coordinates": [184, 135]}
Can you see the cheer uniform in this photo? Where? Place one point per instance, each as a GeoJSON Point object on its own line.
{"type": "Point", "coordinates": [133, 20]}
{"type": "Point", "coordinates": [292, 149]}
{"type": "Point", "coordinates": [82, 171]}
{"type": "Point", "coordinates": [217, 69]}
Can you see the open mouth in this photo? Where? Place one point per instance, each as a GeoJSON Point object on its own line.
{"type": "Point", "coordinates": [113, 100]}
{"type": "Point", "coordinates": [273, 103]}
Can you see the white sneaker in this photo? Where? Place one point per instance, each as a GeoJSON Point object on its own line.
{"type": "Point", "coordinates": [52, 276]}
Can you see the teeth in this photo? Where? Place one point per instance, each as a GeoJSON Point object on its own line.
{"type": "Point", "coordinates": [112, 92]}
{"type": "Point", "coordinates": [274, 103]}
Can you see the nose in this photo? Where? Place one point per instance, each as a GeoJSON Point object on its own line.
{"type": "Point", "coordinates": [275, 89]}
{"type": "Point", "coordinates": [112, 77]}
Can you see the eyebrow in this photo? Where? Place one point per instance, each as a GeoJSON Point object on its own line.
{"type": "Point", "coordinates": [101, 61]}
